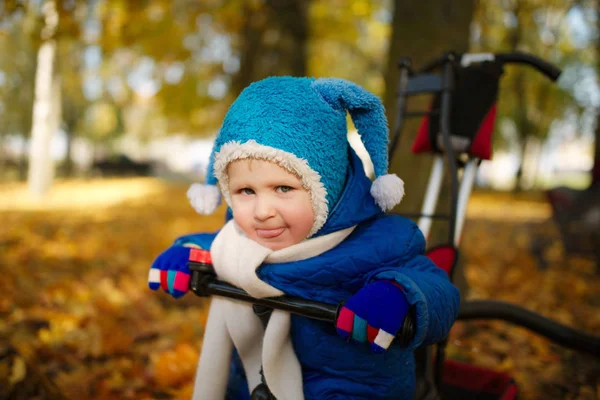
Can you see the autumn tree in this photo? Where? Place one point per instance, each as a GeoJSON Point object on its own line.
{"type": "Point", "coordinates": [39, 27]}
{"type": "Point", "coordinates": [74, 102]}
{"type": "Point", "coordinates": [46, 106]}
{"type": "Point", "coordinates": [273, 40]}
{"type": "Point", "coordinates": [349, 39]}
{"type": "Point", "coordinates": [18, 73]}
{"type": "Point", "coordinates": [538, 28]}
{"type": "Point", "coordinates": [528, 100]}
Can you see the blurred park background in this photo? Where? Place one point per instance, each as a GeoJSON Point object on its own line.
{"type": "Point", "coordinates": [108, 109]}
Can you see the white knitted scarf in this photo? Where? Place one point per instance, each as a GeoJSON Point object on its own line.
{"type": "Point", "coordinates": [233, 323]}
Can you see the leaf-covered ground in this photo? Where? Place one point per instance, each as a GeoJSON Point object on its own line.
{"type": "Point", "coordinates": [78, 322]}
{"type": "Point", "coordinates": [499, 237]}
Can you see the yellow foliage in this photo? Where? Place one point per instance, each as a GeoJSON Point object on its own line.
{"type": "Point", "coordinates": [175, 366]}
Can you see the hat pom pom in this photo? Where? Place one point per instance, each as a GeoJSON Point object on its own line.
{"type": "Point", "coordinates": [387, 190]}
{"type": "Point", "coordinates": [204, 198]}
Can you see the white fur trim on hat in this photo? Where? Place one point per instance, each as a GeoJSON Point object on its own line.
{"type": "Point", "coordinates": [311, 180]}
{"type": "Point", "coordinates": [204, 198]}
{"type": "Point", "coordinates": [387, 190]}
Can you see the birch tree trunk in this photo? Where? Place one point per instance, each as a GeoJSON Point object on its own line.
{"type": "Point", "coordinates": [46, 107]}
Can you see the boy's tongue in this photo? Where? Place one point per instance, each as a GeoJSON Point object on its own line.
{"type": "Point", "coordinates": [269, 233]}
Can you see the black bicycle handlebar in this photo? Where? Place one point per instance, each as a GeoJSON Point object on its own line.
{"type": "Point", "coordinates": [543, 66]}
{"type": "Point", "coordinates": [204, 283]}
{"type": "Point", "coordinates": [517, 57]}
{"type": "Point", "coordinates": [556, 332]}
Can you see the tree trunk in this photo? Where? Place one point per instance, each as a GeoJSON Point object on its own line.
{"type": "Point", "coordinates": [70, 117]}
{"type": "Point", "coordinates": [522, 122]}
{"type": "Point", "coordinates": [422, 31]}
{"type": "Point", "coordinates": [596, 166]}
{"type": "Point", "coordinates": [68, 163]}
{"type": "Point", "coordinates": [23, 160]}
{"type": "Point", "coordinates": [522, 127]}
{"type": "Point", "coordinates": [275, 42]}
{"type": "Point", "coordinates": [46, 108]}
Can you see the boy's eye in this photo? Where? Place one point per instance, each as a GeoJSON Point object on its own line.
{"type": "Point", "coordinates": [246, 191]}
{"type": "Point", "coordinates": [284, 189]}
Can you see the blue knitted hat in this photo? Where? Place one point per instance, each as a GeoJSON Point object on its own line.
{"type": "Point", "coordinates": [300, 124]}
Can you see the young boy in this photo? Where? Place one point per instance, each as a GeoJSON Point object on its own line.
{"type": "Point", "coordinates": [308, 222]}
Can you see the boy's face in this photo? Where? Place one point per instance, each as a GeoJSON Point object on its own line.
{"type": "Point", "coordinates": [269, 204]}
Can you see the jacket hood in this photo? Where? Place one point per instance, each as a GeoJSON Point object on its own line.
{"type": "Point", "coordinates": [356, 204]}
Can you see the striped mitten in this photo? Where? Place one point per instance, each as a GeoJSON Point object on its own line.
{"type": "Point", "coordinates": [171, 272]}
{"type": "Point", "coordinates": [375, 314]}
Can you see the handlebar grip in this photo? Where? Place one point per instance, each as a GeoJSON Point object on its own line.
{"type": "Point", "coordinates": [545, 67]}
{"type": "Point", "coordinates": [205, 283]}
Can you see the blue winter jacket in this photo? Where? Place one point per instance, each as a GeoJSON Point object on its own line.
{"type": "Point", "coordinates": [381, 247]}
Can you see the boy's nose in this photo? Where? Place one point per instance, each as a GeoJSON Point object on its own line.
{"type": "Point", "coordinates": [263, 209]}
